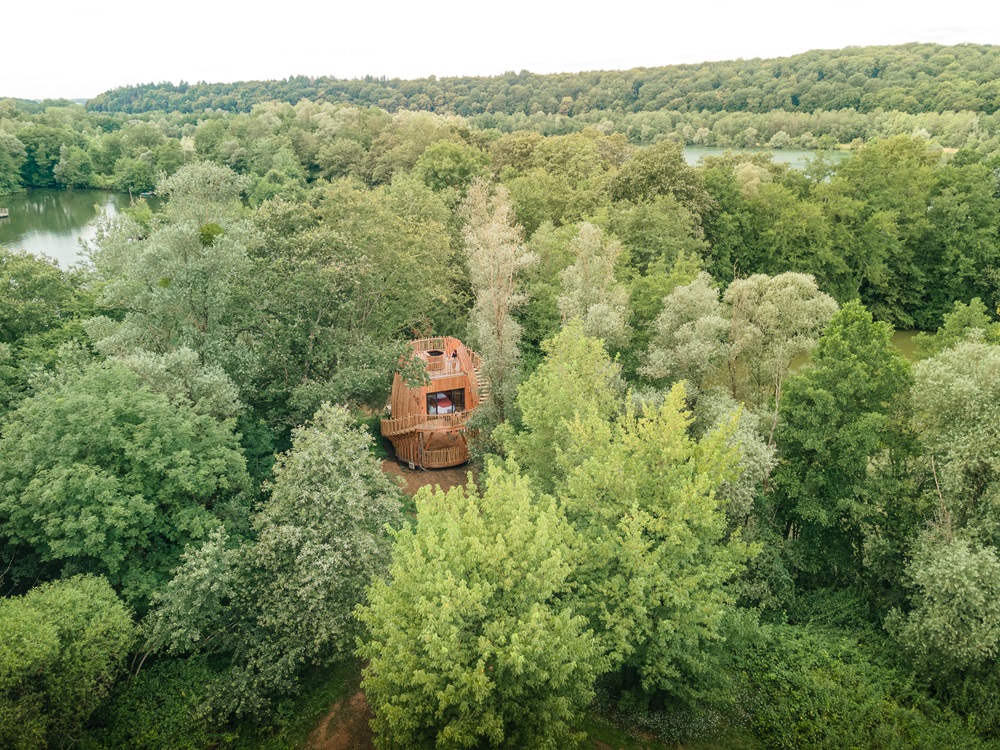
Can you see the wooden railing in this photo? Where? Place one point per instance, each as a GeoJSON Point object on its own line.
{"type": "Point", "coordinates": [444, 457]}
{"type": "Point", "coordinates": [424, 422]}
{"type": "Point", "coordinates": [469, 361]}
{"type": "Point", "coordinates": [414, 453]}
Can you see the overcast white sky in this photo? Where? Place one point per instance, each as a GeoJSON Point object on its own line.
{"type": "Point", "coordinates": [75, 49]}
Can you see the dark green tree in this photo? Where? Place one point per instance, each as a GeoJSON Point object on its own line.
{"type": "Point", "coordinates": [100, 475]}
{"type": "Point", "coordinates": [842, 425]}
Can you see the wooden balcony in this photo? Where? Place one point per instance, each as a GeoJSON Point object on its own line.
{"type": "Point", "coordinates": [393, 426]}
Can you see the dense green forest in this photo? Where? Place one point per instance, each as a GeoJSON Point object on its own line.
{"type": "Point", "coordinates": [910, 78]}
{"type": "Point", "coordinates": [714, 504]}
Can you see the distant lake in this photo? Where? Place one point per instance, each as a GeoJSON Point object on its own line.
{"type": "Point", "coordinates": [797, 157]}
{"type": "Point", "coordinates": [54, 222]}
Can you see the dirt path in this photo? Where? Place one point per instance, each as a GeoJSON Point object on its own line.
{"type": "Point", "coordinates": [417, 478]}
{"type": "Point", "coordinates": [345, 727]}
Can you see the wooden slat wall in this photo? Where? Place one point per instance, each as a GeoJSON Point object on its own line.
{"type": "Point", "coordinates": [408, 408]}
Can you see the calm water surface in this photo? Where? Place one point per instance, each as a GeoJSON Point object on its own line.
{"type": "Point", "coordinates": [55, 222]}
{"type": "Point", "coordinates": [798, 158]}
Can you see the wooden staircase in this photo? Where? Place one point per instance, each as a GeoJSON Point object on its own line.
{"type": "Point", "coordinates": [482, 383]}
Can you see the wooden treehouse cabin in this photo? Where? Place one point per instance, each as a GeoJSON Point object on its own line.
{"type": "Point", "coordinates": [426, 424]}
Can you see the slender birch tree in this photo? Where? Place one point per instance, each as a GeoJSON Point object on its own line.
{"type": "Point", "coordinates": [494, 245]}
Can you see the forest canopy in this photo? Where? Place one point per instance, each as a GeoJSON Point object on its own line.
{"type": "Point", "coordinates": [711, 502]}
{"type": "Point", "coordinates": [910, 78]}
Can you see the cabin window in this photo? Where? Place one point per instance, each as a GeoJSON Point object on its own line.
{"type": "Point", "coordinates": [446, 402]}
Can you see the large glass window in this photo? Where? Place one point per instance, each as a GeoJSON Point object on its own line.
{"type": "Point", "coordinates": [446, 402]}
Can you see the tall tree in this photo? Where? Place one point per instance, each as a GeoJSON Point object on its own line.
{"type": "Point", "coordinates": [841, 416]}
{"type": "Point", "coordinates": [576, 380]}
{"type": "Point", "coordinates": [471, 639]}
{"type": "Point", "coordinates": [182, 285]}
{"type": "Point", "coordinates": [773, 320]}
{"type": "Point", "coordinates": [496, 256]}
{"type": "Point", "coordinates": [64, 646]}
{"type": "Point", "coordinates": [284, 600]}
{"type": "Point", "coordinates": [657, 553]}
{"type": "Point", "coordinates": [956, 402]}
{"type": "Point", "coordinates": [590, 291]}
{"type": "Point", "coordinates": [690, 335]}
{"type": "Point", "coordinates": [100, 475]}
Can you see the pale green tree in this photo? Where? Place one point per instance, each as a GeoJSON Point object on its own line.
{"type": "Point", "coordinates": [496, 257]}
{"type": "Point", "coordinates": [471, 641]}
{"type": "Point", "coordinates": [182, 285]}
{"type": "Point", "coordinates": [75, 168]}
{"type": "Point", "coordinates": [690, 335]}
{"type": "Point", "coordinates": [956, 401]}
{"type": "Point", "coordinates": [773, 320]}
{"type": "Point", "coordinates": [590, 291]}
{"type": "Point", "coordinates": [449, 165]}
{"type": "Point", "coordinates": [658, 554]}
{"type": "Point", "coordinates": [954, 624]}
{"type": "Point", "coordinates": [272, 606]}
{"type": "Point", "coordinates": [576, 380]}
{"type": "Point", "coordinates": [181, 377]}
{"type": "Point", "coordinates": [716, 411]}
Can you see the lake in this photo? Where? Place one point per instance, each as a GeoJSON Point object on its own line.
{"type": "Point", "coordinates": [54, 222]}
{"type": "Point", "coordinates": [796, 157]}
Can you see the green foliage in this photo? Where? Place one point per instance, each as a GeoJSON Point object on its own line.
{"type": "Point", "coordinates": [180, 377]}
{"type": "Point", "coordinates": [840, 416]}
{"type": "Point", "coordinates": [576, 381]}
{"type": "Point", "coordinates": [337, 287]}
{"type": "Point", "coordinates": [960, 324]}
{"type": "Point", "coordinates": [656, 232]}
{"type": "Point", "coordinates": [449, 165]}
{"type": "Point", "coordinates": [284, 600]}
{"type": "Point", "coordinates": [762, 324]}
{"type": "Point", "coordinates": [774, 319]}
{"type": "Point", "coordinates": [955, 621]}
{"type": "Point", "coordinates": [163, 708]}
{"type": "Point", "coordinates": [809, 687]}
{"type": "Point", "coordinates": [660, 170]}
{"type": "Point", "coordinates": [883, 193]}
{"type": "Point", "coordinates": [956, 400]}
{"type": "Point", "coordinates": [100, 475]}
{"type": "Point", "coordinates": [642, 497]}
{"type": "Point", "coordinates": [64, 645]}
{"type": "Point", "coordinates": [647, 296]}
{"type": "Point", "coordinates": [180, 285]}
{"type": "Point", "coordinates": [471, 642]}
{"type": "Point", "coordinates": [496, 256]}
{"type": "Point", "coordinates": [690, 335]}
{"type": "Point", "coordinates": [591, 292]}
{"type": "Point", "coordinates": [35, 297]}
{"type": "Point", "coordinates": [75, 167]}
{"type": "Point", "coordinates": [12, 156]}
